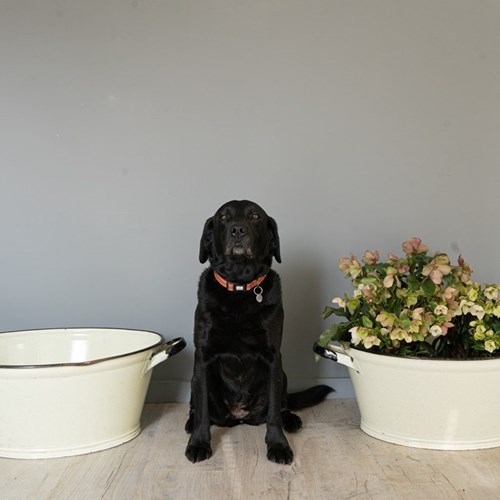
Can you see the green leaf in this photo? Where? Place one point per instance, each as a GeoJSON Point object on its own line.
{"type": "Point", "coordinates": [337, 331]}
{"type": "Point", "coordinates": [338, 311]}
{"type": "Point", "coordinates": [367, 322]}
{"type": "Point", "coordinates": [413, 283]}
{"type": "Point", "coordinates": [341, 312]}
{"type": "Point", "coordinates": [327, 335]}
{"type": "Point", "coordinates": [405, 324]}
{"type": "Point", "coordinates": [328, 312]}
{"type": "Point", "coordinates": [428, 287]}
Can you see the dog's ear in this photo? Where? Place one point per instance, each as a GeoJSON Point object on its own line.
{"type": "Point", "coordinates": [274, 241]}
{"type": "Point", "coordinates": [206, 241]}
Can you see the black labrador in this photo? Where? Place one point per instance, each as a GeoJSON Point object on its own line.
{"type": "Point", "coordinates": [238, 377]}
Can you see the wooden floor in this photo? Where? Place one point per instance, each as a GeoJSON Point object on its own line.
{"type": "Point", "coordinates": [334, 460]}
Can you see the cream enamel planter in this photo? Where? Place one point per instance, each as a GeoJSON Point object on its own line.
{"type": "Point", "coordinates": [424, 403]}
{"type": "Point", "coordinates": [72, 391]}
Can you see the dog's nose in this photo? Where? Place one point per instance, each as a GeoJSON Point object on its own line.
{"type": "Point", "coordinates": [237, 231]}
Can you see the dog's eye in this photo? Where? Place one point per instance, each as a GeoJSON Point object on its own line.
{"type": "Point", "coordinates": [222, 217]}
{"type": "Point", "coordinates": [255, 216]}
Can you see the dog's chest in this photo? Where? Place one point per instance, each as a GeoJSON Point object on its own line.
{"type": "Point", "coordinates": [238, 335]}
{"type": "Point", "coordinates": [241, 370]}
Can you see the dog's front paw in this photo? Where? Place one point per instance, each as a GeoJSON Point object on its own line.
{"type": "Point", "coordinates": [291, 422]}
{"type": "Point", "coordinates": [199, 451]}
{"type": "Point", "coordinates": [280, 453]}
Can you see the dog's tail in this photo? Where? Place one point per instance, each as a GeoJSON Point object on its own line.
{"type": "Point", "coordinates": [309, 397]}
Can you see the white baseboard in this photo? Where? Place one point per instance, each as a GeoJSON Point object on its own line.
{"type": "Point", "coordinates": [178, 391]}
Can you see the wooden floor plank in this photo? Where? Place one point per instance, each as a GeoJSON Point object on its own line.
{"type": "Point", "coordinates": [334, 459]}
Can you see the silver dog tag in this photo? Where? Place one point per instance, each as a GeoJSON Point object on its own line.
{"type": "Point", "coordinates": [258, 294]}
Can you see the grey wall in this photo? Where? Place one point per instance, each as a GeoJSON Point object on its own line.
{"type": "Point", "coordinates": [124, 125]}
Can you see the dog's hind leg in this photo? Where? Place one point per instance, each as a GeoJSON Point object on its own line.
{"type": "Point", "coordinates": [291, 422]}
{"type": "Point", "coordinates": [190, 423]}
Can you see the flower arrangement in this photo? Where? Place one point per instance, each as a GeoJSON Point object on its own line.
{"type": "Point", "coordinates": [416, 305]}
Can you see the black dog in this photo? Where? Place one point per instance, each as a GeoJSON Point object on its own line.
{"type": "Point", "coordinates": [238, 377]}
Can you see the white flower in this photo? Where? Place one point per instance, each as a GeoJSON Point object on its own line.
{"type": "Point", "coordinates": [479, 334]}
{"type": "Point", "coordinates": [355, 338]}
{"type": "Point", "coordinates": [477, 311]}
{"type": "Point", "coordinates": [441, 310]}
{"type": "Point", "coordinates": [436, 331]}
{"type": "Point", "coordinates": [388, 281]}
{"type": "Point", "coordinates": [491, 293]}
{"type": "Point", "coordinates": [340, 301]}
{"type": "Point", "coordinates": [480, 329]}
{"type": "Point", "coordinates": [466, 306]}
{"type": "Point", "coordinates": [489, 345]}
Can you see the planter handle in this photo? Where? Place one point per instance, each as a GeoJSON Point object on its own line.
{"type": "Point", "coordinates": [335, 352]}
{"type": "Point", "coordinates": [164, 351]}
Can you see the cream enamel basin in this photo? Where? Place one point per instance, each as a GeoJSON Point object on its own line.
{"type": "Point", "coordinates": [73, 391]}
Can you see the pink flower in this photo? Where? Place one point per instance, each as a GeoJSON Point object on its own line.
{"type": "Point", "coordinates": [386, 319]}
{"type": "Point", "coordinates": [417, 313]}
{"type": "Point", "coordinates": [370, 341]}
{"type": "Point", "coordinates": [344, 264]}
{"type": "Point", "coordinates": [465, 270]}
{"type": "Point", "coordinates": [371, 257]}
{"type": "Point", "coordinates": [450, 294]}
{"type": "Point", "coordinates": [436, 276]}
{"type": "Point", "coordinates": [437, 268]}
{"type": "Point", "coordinates": [404, 268]}
{"type": "Point", "coordinates": [367, 291]}
{"type": "Point", "coordinates": [350, 266]}
{"type": "Point", "coordinates": [445, 327]}
{"type": "Point", "coordinates": [391, 277]}
{"type": "Point", "coordinates": [414, 245]}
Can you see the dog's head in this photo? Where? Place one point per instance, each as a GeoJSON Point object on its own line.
{"type": "Point", "coordinates": [240, 233]}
